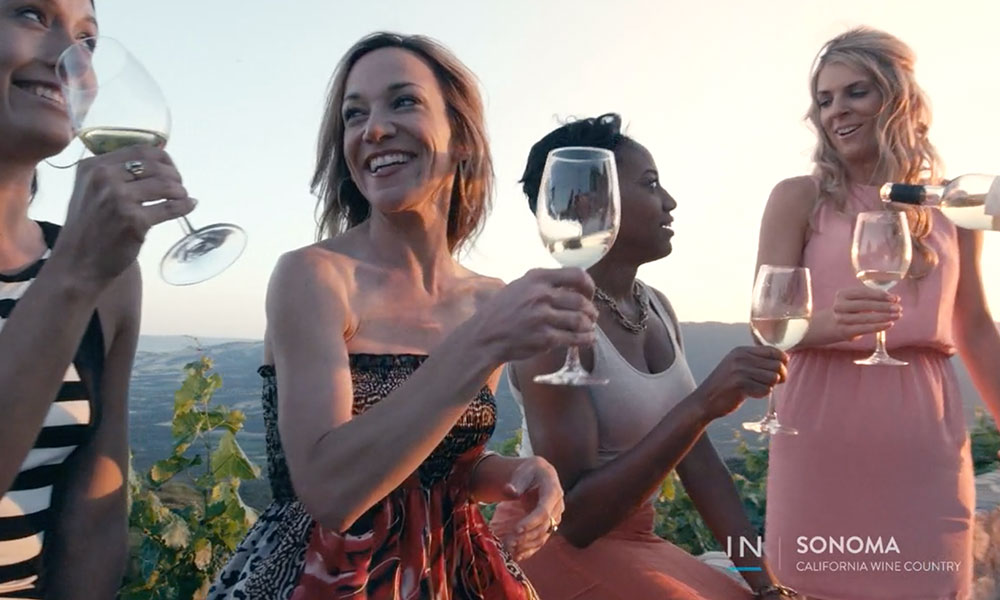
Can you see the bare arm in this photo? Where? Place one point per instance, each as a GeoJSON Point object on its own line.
{"type": "Point", "coordinates": [90, 545]}
{"type": "Point", "coordinates": [35, 350]}
{"type": "Point", "coordinates": [975, 332]}
{"type": "Point", "coordinates": [710, 485]}
{"type": "Point", "coordinates": [341, 466]}
{"type": "Point", "coordinates": [783, 232]}
{"type": "Point", "coordinates": [105, 226]}
{"type": "Point", "coordinates": [563, 428]}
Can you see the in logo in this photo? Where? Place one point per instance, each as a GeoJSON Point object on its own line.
{"type": "Point", "coordinates": [744, 548]}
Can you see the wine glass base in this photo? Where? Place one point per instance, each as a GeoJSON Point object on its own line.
{"type": "Point", "coordinates": [881, 359]}
{"type": "Point", "coordinates": [570, 377]}
{"type": "Point", "coordinates": [203, 254]}
{"type": "Point", "coordinates": [770, 427]}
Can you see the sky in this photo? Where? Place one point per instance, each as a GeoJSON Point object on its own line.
{"type": "Point", "coordinates": [716, 89]}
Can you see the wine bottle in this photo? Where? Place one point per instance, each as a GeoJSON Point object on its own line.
{"type": "Point", "coordinates": [970, 201]}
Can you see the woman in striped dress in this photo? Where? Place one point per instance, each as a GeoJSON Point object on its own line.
{"type": "Point", "coordinates": [69, 322]}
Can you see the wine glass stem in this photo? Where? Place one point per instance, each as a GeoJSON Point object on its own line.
{"type": "Point", "coordinates": [772, 409]}
{"type": "Point", "coordinates": [880, 342]}
{"type": "Point", "coordinates": [185, 225]}
{"type": "Point", "coordinates": [573, 359]}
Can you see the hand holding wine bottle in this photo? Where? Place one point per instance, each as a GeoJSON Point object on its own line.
{"type": "Point", "coordinates": [969, 201]}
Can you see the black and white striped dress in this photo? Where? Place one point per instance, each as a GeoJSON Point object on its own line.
{"type": "Point", "coordinates": [29, 509]}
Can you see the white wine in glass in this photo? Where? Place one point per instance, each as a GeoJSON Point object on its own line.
{"type": "Point", "coordinates": [881, 253]}
{"type": "Point", "coordinates": [101, 140]}
{"type": "Point", "coordinates": [578, 213]}
{"type": "Point", "coordinates": [113, 102]}
{"type": "Point", "coordinates": [779, 317]}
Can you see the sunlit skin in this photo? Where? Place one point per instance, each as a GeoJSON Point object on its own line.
{"type": "Point", "coordinates": [393, 109]}
{"type": "Point", "coordinates": [92, 268]}
{"type": "Point", "coordinates": [849, 104]}
{"type": "Point", "coordinates": [32, 113]}
{"type": "Point", "coordinates": [645, 234]}
{"type": "Point", "coordinates": [392, 285]}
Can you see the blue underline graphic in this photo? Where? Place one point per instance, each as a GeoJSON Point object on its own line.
{"type": "Point", "coordinates": [745, 569]}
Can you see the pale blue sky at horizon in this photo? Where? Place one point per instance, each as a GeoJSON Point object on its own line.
{"type": "Point", "coordinates": [715, 89]}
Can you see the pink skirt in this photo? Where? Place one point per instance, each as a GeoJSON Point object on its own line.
{"type": "Point", "coordinates": [874, 499]}
{"type": "Point", "coordinates": [629, 563]}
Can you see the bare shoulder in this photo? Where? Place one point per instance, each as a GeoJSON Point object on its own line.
{"type": "Point", "coordinates": [797, 195]}
{"type": "Point", "coordinates": [487, 286]}
{"type": "Point", "coordinates": [314, 280]}
{"type": "Point", "coordinates": [785, 225]}
{"type": "Point", "coordinates": [315, 266]}
{"type": "Point", "coordinates": [482, 287]}
{"type": "Point", "coordinates": [663, 300]}
{"type": "Point", "coordinates": [666, 304]}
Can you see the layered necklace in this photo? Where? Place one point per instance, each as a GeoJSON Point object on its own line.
{"type": "Point", "coordinates": [642, 301]}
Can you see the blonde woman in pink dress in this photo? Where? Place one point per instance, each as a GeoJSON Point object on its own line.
{"type": "Point", "coordinates": [880, 474]}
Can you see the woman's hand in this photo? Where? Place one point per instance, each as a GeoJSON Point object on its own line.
{"type": "Point", "coordinates": [747, 371]}
{"type": "Point", "coordinates": [545, 309]}
{"type": "Point", "coordinates": [536, 484]}
{"type": "Point", "coordinates": [114, 203]}
{"type": "Point", "coordinates": [862, 310]}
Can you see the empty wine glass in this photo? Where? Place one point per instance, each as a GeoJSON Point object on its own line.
{"type": "Point", "coordinates": [779, 317]}
{"type": "Point", "coordinates": [881, 254]}
{"type": "Point", "coordinates": [114, 102]}
{"type": "Point", "coordinates": [578, 213]}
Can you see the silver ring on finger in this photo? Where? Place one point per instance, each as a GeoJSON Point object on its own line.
{"type": "Point", "coordinates": [135, 168]}
{"type": "Point", "coordinates": [553, 526]}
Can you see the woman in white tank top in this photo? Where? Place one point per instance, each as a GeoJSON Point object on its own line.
{"type": "Point", "coordinates": [612, 445]}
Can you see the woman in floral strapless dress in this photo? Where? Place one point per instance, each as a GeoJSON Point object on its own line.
{"type": "Point", "coordinates": [382, 354]}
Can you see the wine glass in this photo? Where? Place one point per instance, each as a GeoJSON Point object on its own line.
{"type": "Point", "coordinates": [779, 317]}
{"type": "Point", "coordinates": [578, 212]}
{"type": "Point", "coordinates": [114, 102]}
{"type": "Point", "coordinates": [881, 254]}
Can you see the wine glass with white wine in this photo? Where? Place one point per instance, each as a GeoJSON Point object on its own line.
{"type": "Point", "coordinates": [881, 255]}
{"type": "Point", "coordinates": [779, 317]}
{"type": "Point", "coordinates": [578, 213]}
{"type": "Point", "coordinates": [114, 102]}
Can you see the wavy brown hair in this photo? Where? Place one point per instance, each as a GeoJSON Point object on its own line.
{"type": "Point", "coordinates": [906, 154]}
{"type": "Point", "coordinates": [342, 205]}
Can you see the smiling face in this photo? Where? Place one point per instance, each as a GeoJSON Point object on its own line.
{"type": "Point", "coordinates": [849, 104]}
{"type": "Point", "coordinates": [33, 33]}
{"type": "Point", "coordinates": [397, 135]}
{"type": "Point", "coordinates": [645, 233]}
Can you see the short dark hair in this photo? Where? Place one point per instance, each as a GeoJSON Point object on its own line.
{"type": "Point", "coordinates": [604, 131]}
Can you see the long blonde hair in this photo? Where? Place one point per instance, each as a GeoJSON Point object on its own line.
{"type": "Point", "coordinates": [343, 206]}
{"type": "Point", "coordinates": [906, 155]}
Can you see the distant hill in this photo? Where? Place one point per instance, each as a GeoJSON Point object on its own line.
{"type": "Point", "coordinates": [177, 343]}
{"type": "Point", "coordinates": [159, 366]}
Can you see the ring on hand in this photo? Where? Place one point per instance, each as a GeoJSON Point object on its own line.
{"type": "Point", "coordinates": [553, 526]}
{"type": "Point", "coordinates": [135, 168]}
